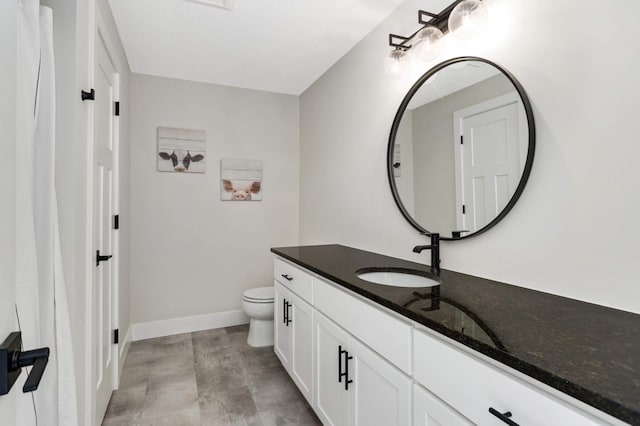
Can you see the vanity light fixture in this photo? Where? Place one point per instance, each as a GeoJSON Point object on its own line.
{"type": "Point", "coordinates": [465, 19]}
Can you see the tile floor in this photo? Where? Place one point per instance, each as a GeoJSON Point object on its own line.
{"type": "Point", "coordinates": [206, 378]}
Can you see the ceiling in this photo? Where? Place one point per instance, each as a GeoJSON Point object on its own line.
{"type": "Point", "coordinates": [279, 46]}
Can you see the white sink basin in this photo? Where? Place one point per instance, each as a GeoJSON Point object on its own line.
{"type": "Point", "coordinates": [397, 278]}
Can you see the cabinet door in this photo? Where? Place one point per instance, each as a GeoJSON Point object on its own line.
{"type": "Point", "coordinates": [282, 340]}
{"type": "Point", "coordinates": [381, 393]}
{"type": "Point", "coordinates": [301, 361]}
{"type": "Point", "coordinates": [332, 400]}
{"type": "Point", "coordinates": [430, 411]}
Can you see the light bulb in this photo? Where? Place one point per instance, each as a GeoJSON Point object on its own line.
{"type": "Point", "coordinates": [468, 19]}
{"type": "Point", "coordinates": [394, 63]}
{"type": "Point", "coordinates": [428, 44]}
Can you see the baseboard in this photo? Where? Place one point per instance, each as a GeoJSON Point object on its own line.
{"type": "Point", "coordinates": [126, 342]}
{"type": "Point", "coordinates": [149, 330]}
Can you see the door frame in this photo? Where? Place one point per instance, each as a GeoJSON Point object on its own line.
{"type": "Point", "coordinates": [101, 34]}
{"type": "Point", "coordinates": [458, 118]}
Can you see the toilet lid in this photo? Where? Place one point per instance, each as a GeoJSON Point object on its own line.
{"type": "Point", "coordinates": [260, 294]}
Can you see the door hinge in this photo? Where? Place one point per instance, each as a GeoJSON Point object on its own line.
{"type": "Point", "coordinates": [116, 221]}
{"type": "Point", "coordinates": [117, 109]}
{"type": "Point", "coordinates": [88, 96]}
{"type": "Point", "coordinates": [461, 140]}
{"type": "Point", "coordinates": [116, 336]}
{"type": "Point", "coordinates": [464, 209]}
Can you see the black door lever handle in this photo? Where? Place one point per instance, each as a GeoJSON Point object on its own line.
{"type": "Point", "coordinates": [39, 359]}
{"type": "Point", "coordinates": [101, 258]}
{"type": "Point", "coordinates": [13, 359]}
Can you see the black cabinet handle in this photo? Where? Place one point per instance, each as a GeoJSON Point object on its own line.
{"type": "Point", "coordinates": [284, 311]}
{"type": "Point", "coordinates": [344, 373]}
{"type": "Point", "coordinates": [340, 373]}
{"type": "Point", "coordinates": [287, 277]}
{"type": "Point", "coordinates": [288, 320]}
{"type": "Point", "coordinates": [505, 417]}
{"type": "Point", "coordinates": [346, 370]}
{"type": "Point", "coordinates": [100, 258]}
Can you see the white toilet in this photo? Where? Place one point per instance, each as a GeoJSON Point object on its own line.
{"type": "Point", "coordinates": [257, 303]}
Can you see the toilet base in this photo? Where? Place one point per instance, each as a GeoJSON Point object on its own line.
{"type": "Point", "coordinates": [260, 333]}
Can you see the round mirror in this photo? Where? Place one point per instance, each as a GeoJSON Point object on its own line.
{"type": "Point", "coordinates": [461, 148]}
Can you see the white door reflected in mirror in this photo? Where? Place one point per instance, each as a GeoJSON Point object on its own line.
{"type": "Point", "coordinates": [467, 137]}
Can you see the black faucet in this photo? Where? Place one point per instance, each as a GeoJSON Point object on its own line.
{"type": "Point", "coordinates": [435, 253]}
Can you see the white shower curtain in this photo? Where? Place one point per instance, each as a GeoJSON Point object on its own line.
{"type": "Point", "coordinates": [41, 303]}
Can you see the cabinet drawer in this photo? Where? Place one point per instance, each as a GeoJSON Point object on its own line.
{"type": "Point", "coordinates": [294, 278]}
{"type": "Point", "coordinates": [383, 333]}
{"type": "Point", "coordinates": [472, 386]}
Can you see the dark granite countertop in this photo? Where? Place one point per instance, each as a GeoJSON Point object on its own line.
{"type": "Point", "coordinates": [588, 351]}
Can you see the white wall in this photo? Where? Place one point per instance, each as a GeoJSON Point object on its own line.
{"type": "Point", "coordinates": [192, 254]}
{"type": "Point", "coordinates": [572, 233]}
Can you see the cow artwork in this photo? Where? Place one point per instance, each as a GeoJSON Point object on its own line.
{"type": "Point", "coordinates": [181, 160]}
{"type": "Point", "coordinates": [241, 180]}
{"type": "Point", "coordinates": [181, 150]}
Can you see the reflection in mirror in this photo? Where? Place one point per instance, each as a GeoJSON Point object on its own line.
{"type": "Point", "coordinates": [461, 148]}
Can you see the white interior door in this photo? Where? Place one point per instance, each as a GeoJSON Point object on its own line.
{"type": "Point", "coordinates": [8, 83]}
{"type": "Point", "coordinates": [103, 210]}
{"type": "Point", "coordinates": [489, 160]}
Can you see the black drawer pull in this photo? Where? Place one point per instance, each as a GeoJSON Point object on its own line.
{"type": "Point", "coordinates": [287, 277]}
{"type": "Point", "coordinates": [505, 417]}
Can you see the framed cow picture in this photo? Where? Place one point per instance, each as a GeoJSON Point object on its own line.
{"type": "Point", "coordinates": [240, 180]}
{"type": "Point", "coordinates": [181, 150]}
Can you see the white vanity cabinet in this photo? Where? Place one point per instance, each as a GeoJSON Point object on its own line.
{"type": "Point", "coordinates": [355, 386]}
{"type": "Point", "coordinates": [428, 410]}
{"type": "Point", "coordinates": [358, 364]}
{"type": "Point", "coordinates": [294, 337]}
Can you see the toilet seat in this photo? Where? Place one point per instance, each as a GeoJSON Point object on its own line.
{"type": "Point", "coordinates": [258, 295]}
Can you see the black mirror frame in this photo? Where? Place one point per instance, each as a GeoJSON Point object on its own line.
{"type": "Point", "coordinates": [528, 163]}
